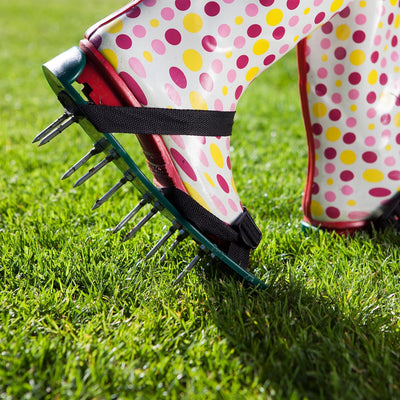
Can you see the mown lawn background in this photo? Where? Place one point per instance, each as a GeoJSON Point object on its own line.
{"type": "Point", "coordinates": [82, 318]}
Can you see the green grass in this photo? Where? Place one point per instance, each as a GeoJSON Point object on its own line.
{"type": "Point", "coordinates": [80, 318]}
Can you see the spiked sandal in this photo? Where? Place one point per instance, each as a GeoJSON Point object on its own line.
{"type": "Point", "coordinates": [71, 66]}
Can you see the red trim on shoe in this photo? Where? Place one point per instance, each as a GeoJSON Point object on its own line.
{"type": "Point", "coordinates": [339, 227]}
{"type": "Point", "coordinates": [104, 86]}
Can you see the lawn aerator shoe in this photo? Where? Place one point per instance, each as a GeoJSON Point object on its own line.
{"type": "Point", "coordinates": [350, 90]}
{"type": "Point", "coordinates": [172, 72]}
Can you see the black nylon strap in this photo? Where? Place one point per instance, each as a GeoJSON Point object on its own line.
{"type": "Point", "coordinates": [241, 236]}
{"type": "Point", "coordinates": [158, 121]}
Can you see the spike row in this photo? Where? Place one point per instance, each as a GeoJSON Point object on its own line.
{"type": "Point", "coordinates": [55, 128]}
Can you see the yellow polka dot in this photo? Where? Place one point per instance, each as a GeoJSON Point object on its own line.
{"type": "Point", "coordinates": [228, 54]}
{"type": "Point", "coordinates": [336, 4]}
{"type": "Point", "coordinates": [216, 155]}
{"type": "Point", "coordinates": [319, 110]}
{"type": "Point", "coordinates": [224, 90]}
{"type": "Point", "coordinates": [111, 57]}
{"type": "Point", "coordinates": [363, 4]}
{"type": "Point", "coordinates": [194, 194]}
{"type": "Point", "coordinates": [343, 32]}
{"type": "Point", "coordinates": [192, 59]}
{"type": "Point", "coordinates": [373, 175]}
{"type": "Point", "coordinates": [147, 55]}
{"type": "Point", "coordinates": [338, 83]}
{"type": "Point", "coordinates": [393, 2]}
{"type": "Point", "coordinates": [397, 22]}
{"type": "Point", "coordinates": [330, 181]}
{"type": "Point", "coordinates": [234, 186]}
{"type": "Point", "coordinates": [260, 47]}
{"type": "Point", "coordinates": [274, 17]}
{"type": "Point", "coordinates": [380, 25]}
{"type": "Point", "coordinates": [351, 203]}
{"type": "Point", "coordinates": [371, 127]}
{"type": "Point", "coordinates": [324, 58]}
{"type": "Point", "coordinates": [308, 87]}
{"type": "Point", "coordinates": [396, 69]}
{"type": "Point", "coordinates": [239, 20]}
{"type": "Point", "coordinates": [373, 77]}
{"type": "Point", "coordinates": [396, 119]}
{"type": "Point", "coordinates": [357, 57]}
{"type": "Point", "coordinates": [333, 134]}
{"type": "Point", "coordinates": [197, 101]}
{"type": "Point", "coordinates": [348, 157]}
{"type": "Point", "coordinates": [114, 26]}
{"type": "Point", "coordinates": [209, 180]}
{"type": "Point", "coordinates": [252, 73]}
{"type": "Point", "coordinates": [192, 22]}
{"type": "Point", "coordinates": [154, 23]}
{"type": "Point", "coordinates": [307, 11]}
{"type": "Point", "coordinates": [353, 108]}
{"type": "Point", "coordinates": [316, 209]}
{"type": "Point", "coordinates": [296, 38]}
{"type": "Point", "coordinates": [388, 147]}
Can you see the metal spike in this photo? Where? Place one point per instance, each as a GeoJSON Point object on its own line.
{"type": "Point", "coordinates": [97, 148]}
{"type": "Point", "coordinates": [143, 221]}
{"type": "Point", "coordinates": [174, 227]}
{"type": "Point", "coordinates": [111, 156]}
{"type": "Point", "coordinates": [180, 238]}
{"type": "Point", "coordinates": [190, 266]}
{"type": "Point", "coordinates": [145, 199]}
{"type": "Point", "coordinates": [52, 126]}
{"type": "Point", "coordinates": [127, 177]}
{"type": "Point", "coordinates": [68, 122]}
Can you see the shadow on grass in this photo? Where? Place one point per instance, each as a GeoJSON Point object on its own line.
{"type": "Point", "coordinates": [301, 344]}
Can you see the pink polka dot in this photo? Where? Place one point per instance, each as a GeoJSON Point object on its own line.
{"type": "Point", "coordinates": [168, 13]}
{"type": "Point", "coordinates": [124, 42]}
{"type": "Point", "coordinates": [183, 164]}
{"type": "Point", "coordinates": [217, 66]}
{"type": "Point", "coordinates": [239, 42]}
{"type": "Point", "coordinates": [149, 3]}
{"type": "Point", "coordinates": [203, 158]}
{"type": "Point", "coordinates": [137, 67]}
{"type": "Point", "coordinates": [336, 98]}
{"type": "Point", "coordinates": [182, 5]}
{"type": "Point", "coordinates": [332, 212]}
{"type": "Point", "coordinates": [206, 82]}
{"type": "Point", "coordinates": [358, 215]}
{"type": "Point", "coordinates": [158, 46]}
{"type": "Point", "coordinates": [218, 106]}
{"type": "Point", "coordinates": [325, 43]}
{"type": "Point", "coordinates": [292, 4]}
{"type": "Point", "coordinates": [231, 75]}
{"type": "Point", "coordinates": [218, 203]}
{"type": "Point", "coordinates": [228, 163]}
{"type": "Point", "coordinates": [178, 140]}
{"type": "Point", "coordinates": [307, 28]}
{"type": "Point", "coordinates": [390, 161]}
{"type": "Point", "coordinates": [251, 10]}
{"type": "Point", "coordinates": [339, 69]}
{"type": "Point", "coordinates": [361, 19]}
{"type": "Point", "coordinates": [209, 43]}
{"type": "Point", "coordinates": [284, 49]}
{"type": "Point", "coordinates": [172, 94]}
{"type": "Point", "coordinates": [394, 175]}
{"type": "Point", "coordinates": [222, 183]}
{"type": "Point", "coordinates": [224, 30]}
{"type": "Point", "coordinates": [347, 190]}
{"type": "Point", "coordinates": [380, 192]}
{"type": "Point", "coordinates": [322, 73]}
{"type": "Point", "coordinates": [354, 94]}
{"type": "Point", "coordinates": [370, 141]}
{"type": "Point", "coordinates": [233, 205]}
{"type": "Point", "coordinates": [178, 77]}
{"type": "Point", "coordinates": [330, 196]}
{"type": "Point", "coordinates": [330, 168]}
{"type": "Point", "coordinates": [173, 37]}
{"type": "Point", "coordinates": [293, 21]}
{"type": "Point", "coordinates": [134, 87]}
{"type": "Point", "coordinates": [139, 31]}
{"type": "Point", "coordinates": [212, 8]}
{"type": "Point", "coordinates": [371, 113]}
{"type": "Point", "coordinates": [351, 122]}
